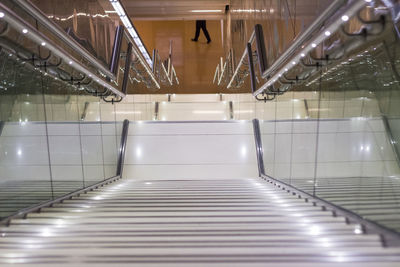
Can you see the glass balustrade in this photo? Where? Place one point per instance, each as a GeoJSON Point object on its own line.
{"type": "Point", "coordinates": [340, 140]}
{"type": "Point", "coordinates": [54, 139]}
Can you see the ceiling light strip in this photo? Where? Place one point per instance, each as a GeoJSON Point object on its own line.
{"type": "Point", "coordinates": [207, 11]}
{"type": "Point", "coordinates": [37, 37]}
{"type": "Point", "coordinates": [131, 29]}
{"type": "Point", "coordinates": [320, 37]}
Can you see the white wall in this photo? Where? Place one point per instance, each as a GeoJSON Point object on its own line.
{"type": "Point", "coordinates": [346, 148]}
{"type": "Point", "coordinates": [78, 151]}
{"type": "Point", "coordinates": [160, 150]}
{"type": "Point", "coordinates": [191, 150]}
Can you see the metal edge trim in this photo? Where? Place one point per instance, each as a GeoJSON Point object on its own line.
{"type": "Point", "coordinates": [36, 208]}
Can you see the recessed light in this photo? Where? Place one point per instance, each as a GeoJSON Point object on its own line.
{"type": "Point", "coordinates": [1, 14]}
{"type": "Point", "coordinates": [327, 33]}
{"type": "Point", "coordinates": [345, 18]}
{"type": "Point", "coordinates": [314, 45]}
{"type": "Point", "coordinates": [207, 11]}
{"type": "Point", "coordinates": [70, 63]}
{"type": "Point", "coordinates": [43, 43]}
{"type": "Point", "coordinates": [303, 55]}
{"type": "Point", "coordinates": [24, 31]}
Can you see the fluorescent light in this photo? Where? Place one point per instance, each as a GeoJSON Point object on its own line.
{"type": "Point", "coordinates": [131, 30]}
{"type": "Point", "coordinates": [110, 11]}
{"type": "Point", "coordinates": [208, 111]}
{"type": "Point", "coordinates": [243, 111]}
{"type": "Point", "coordinates": [207, 11]}
{"type": "Point", "coordinates": [128, 112]}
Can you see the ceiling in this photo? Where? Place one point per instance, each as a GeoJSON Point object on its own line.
{"type": "Point", "coordinates": [174, 9]}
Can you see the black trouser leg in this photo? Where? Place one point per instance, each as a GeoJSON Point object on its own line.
{"type": "Point", "coordinates": [196, 36]}
{"type": "Point", "coordinates": [206, 33]}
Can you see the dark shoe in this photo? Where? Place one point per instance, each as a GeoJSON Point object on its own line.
{"type": "Point", "coordinates": [209, 41]}
{"type": "Point", "coordinates": [194, 40]}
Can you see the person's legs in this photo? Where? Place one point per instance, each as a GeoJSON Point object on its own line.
{"type": "Point", "coordinates": [204, 28]}
{"type": "Point", "coordinates": [196, 36]}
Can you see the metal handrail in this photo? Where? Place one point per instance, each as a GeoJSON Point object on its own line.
{"type": "Point", "coordinates": [286, 60]}
{"type": "Point", "coordinates": [305, 36]}
{"type": "Point", "coordinates": [392, 140]}
{"type": "Point", "coordinates": [1, 127]}
{"type": "Point", "coordinates": [60, 33]}
{"type": "Point", "coordinates": [122, 147]}
{"type": "Point", "coordinates": [388, 237]}
{"type": "Point", "coordinates": [11, 18]}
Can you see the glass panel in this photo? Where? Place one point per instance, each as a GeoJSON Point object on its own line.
{"type": "Point", "coordinates": [102, 31]}
{"type": "Point", "coordinates": [52, 139]}
{"type": "Point", "coordinates": [282, 21]}
{"type": "Point", "coordinates": [24, 162]}
{"type": "Point", "coordinates": [336, 136]}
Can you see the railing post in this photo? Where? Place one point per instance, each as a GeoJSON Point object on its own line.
{"type": "Point", "coordinates": [122, 147]}
{"type": "Point", "coordinates": [231, 112]}
{"type": "Point", "coordinates": [1, 126]}
{"type": "Point", "coordinates": [259, 147]}
{"type": "Point", "coordinates": [262, 55]}
{"type": "Point", "coordinates": [389, 134]}
{"type": "Point", "coordinates": [127, 68]}
{"type": "Point", "coordinates": [116, 50]}
{"type": "Point", "coordinates": [251, 68]}
{"type": "Point", "coordinates": [154, 60]}
{"type": "Point", "coordinates": [156, 108]}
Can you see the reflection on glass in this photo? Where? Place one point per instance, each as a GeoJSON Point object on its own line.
{"type": "Point", "coordinates": [53, 139]}
{"type": "Point", "coordinates": [337, 135]}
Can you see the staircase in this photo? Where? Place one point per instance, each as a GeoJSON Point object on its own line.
{"type": "Point", "coordinates": [237, 222]}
